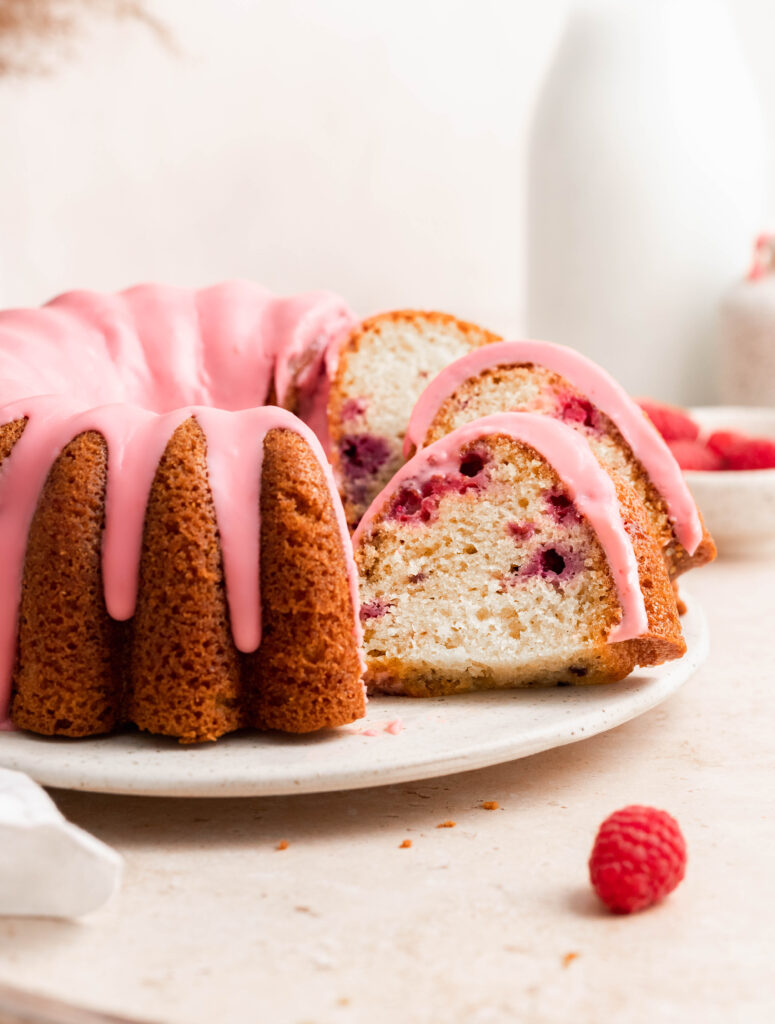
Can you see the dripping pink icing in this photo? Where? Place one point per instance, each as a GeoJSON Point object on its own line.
{"type": "Point", "coordinates": [591, 379]}
{"type": "Point", "coordinates": [133, 367]}
{"type": "Point", "coordinates": [315, 386]}
{"type": "Point", "coordinates": [589, 486]}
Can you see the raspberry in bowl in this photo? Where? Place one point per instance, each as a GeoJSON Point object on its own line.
{"type": "Point", "coordinates": [728, 457]}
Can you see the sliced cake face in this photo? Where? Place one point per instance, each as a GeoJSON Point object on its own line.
{"type": "Point", "coordinates": [381, 371]}
{"type": "Point", "coordinates": [486, 574]}
{"type": "Point", "coordinates": [533, 387]}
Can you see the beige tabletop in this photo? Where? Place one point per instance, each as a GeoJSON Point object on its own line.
{"type": "Point", "coordinates": [473, 923]}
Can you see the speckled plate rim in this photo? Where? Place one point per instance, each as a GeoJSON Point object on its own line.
{"type": "Point", "coordinates": [440, 736]}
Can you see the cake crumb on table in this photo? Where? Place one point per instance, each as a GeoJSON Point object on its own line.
{"type": "Point", "coordinates": [446, 824]}
{"type": "Point", "coordinates": [282, 845]}
{"type": "Point", "coordinates": [490, 805]}
{"type": "Point", "coordinates": [568, 959]}
{"type": "Point", "coordinates": [405, 845]}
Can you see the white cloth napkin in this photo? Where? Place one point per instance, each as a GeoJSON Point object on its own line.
{"type": "Point", "coordinates": [49, 867]}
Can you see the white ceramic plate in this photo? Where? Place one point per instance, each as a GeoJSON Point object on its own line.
{"type": "Point", "coordinates": [738, 506]}
{"type": "Point", "coordinates": [439, 736]}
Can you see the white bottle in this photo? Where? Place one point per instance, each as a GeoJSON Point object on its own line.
{"type": "Point", "coordinates": [646, 185]}
{"type": "Point", "coordinates": [747, 362]}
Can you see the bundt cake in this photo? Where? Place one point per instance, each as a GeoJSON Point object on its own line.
{"type": "Point", "coordinates": [540, 377]}
{"type": "Point", "coordinates": [174, 551]}
{"type": "Point", "coordinates": [375, 375]}
{"type": "Point", "coordinates": [504, 555]}
{"type": "Point", "coordinates": [176, 555]}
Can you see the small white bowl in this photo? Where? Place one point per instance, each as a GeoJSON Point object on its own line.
{"type": "Point", "coordinates": [738, 505]}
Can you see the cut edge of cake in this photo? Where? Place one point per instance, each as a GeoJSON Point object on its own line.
{"type": "Point", "coordinates": [376, 374]}
{"type": "Point", "coordinates": [503, 555]}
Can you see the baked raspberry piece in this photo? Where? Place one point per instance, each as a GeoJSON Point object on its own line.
{"type": "Point", "coordinates": [352, 408]}
{"type": "Point", "coordinates": [374, 610]}
{"type": "Point", "coordinates": [741, 452]}
{"type": "Point", "coordinates": [521, 531]}
{"type": "Point", "coordinates": [576, 409]}
{"type": "Point", "coordinates": [556, 564]}
{"type": "Point", "coordinates": [363, 454]}
{"type": "Point", "coordinates": [639, 856]}
{"type": "Point", "coordinates": [420, 502]}
{"type": "Point", "coordinates": [672, 423]}
{"type": "Point", "coordinates": [560, 507]}
{"type": "Point", "coordinates": [695, 455]}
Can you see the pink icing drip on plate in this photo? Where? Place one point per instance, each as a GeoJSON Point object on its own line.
{"type": "Point", "coordinates": [589, 486]}
{"type": "Point", "coordinates": [133, 367]}
{"type": "Point", "coordinates": [591, 379]}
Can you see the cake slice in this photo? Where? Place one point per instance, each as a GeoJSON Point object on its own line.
{"type": "Point", "coordinates": [504, 555]}
{"type": "Point", "coordinates": [539, 377]}
{"type": "Point", "coordinates": [376, 375]}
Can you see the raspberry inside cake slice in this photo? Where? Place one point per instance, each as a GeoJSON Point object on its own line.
{"type": "Point", "coordinates": [540, 377]}
{"type": "Point", "coordinates": [503, 555]}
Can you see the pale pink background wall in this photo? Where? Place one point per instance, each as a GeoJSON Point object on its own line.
{"type": "Point", "coordinates": [375, 148]}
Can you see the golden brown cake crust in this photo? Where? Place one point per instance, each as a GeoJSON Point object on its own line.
{"type": "Point", "coordinates": [664, 640]}
{"type": "Point", "coordinates": [9, 435]}
{"type": "Point", "coordinates": [308, 665]}
{"type": "Point", "coordinates": [419, 318]}
{"type": "Point", "coordinates": [68, 678]}
{"type": "Point", "coordinates": [185, 670]}
{"type": "Point", "coordinates": [479, 335]}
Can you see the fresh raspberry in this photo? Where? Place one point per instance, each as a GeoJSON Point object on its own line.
{"type": "Point", "coordinates": [672, 423]}
{"type": "Point", "coordinates": [726, 442]}
{"type": "Point", "coordinates": [741, 452]}
{"type": "Point", "coordinates": [758, 453]}
{"type": "Point", "coordinates": [639, 857]}
{"type": "Point", "coordinates": [695, 455]}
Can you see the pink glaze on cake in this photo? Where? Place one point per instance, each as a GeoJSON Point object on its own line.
{"type": "Point", "coordinates": [314, 384]}
{"type": "Point", "coordinates": [589, 486]}
{"type": "Point", "coordinates": [133, 367]}
{"type": "Point", "coordinates": [644, 440]}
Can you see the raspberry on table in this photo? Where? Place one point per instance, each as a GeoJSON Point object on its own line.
{"type": "Point", "coordinates": [639, 856]}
